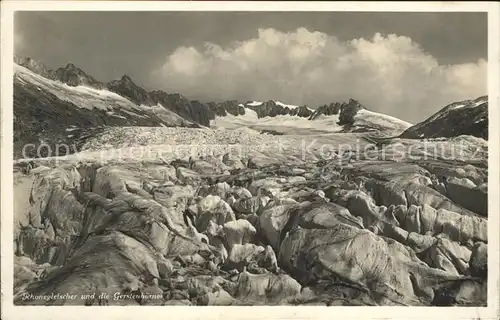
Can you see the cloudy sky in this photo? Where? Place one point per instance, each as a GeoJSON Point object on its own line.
{"type": "Point", "coordinates": [407, 65]}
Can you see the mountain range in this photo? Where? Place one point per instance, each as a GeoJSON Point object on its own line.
{"type": "Point", "coordinates": [74, 99]}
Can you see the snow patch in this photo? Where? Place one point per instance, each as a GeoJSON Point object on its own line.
{"type": "Point", "coordinates": [480, 102]}
{"type": "Point", "coordinates": [254, 103]}
{"type": "Point", "coordinates": [458, 106]}
{"type": "Point", "coordinates": [290, 106]}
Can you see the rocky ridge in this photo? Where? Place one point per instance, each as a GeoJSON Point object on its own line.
{"type": "Point", "coordinates": [468, 117]}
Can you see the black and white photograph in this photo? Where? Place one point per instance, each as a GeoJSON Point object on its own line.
{"type": "Point", "coordinates": [292, 158]}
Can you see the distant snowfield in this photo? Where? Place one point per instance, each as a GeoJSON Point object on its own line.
{"type": "Point", "coordinates": [298, 125]}
{"type": "Point", "coordinates": [282, 123]}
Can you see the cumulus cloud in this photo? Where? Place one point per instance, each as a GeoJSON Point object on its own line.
{"type": "Point", "coordinates": [390, 74]}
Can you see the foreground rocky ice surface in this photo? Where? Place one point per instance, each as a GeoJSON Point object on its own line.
{"type": "Point", "coordinates": [388, 226]}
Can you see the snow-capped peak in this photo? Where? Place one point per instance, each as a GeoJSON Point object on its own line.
{"type": "Point", "coordinates": [254, 103]}
{"type": "Point", "coordinates": [279, 103]}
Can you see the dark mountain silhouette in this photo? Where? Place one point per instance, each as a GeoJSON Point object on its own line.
{"type": "Point", "coordinates": [127, 88]}
{"type": "Point", "coordinates": [469, 117]}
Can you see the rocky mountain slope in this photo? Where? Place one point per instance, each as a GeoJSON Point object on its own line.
{"type": "Point", "coordinates": [465, 117]}
{"type": "Point", "coordinates": [49, 112]}
{"type": "Point", "coordinates": [125, 87]}
{"type": "Point", "coordinates": [73, 76]}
